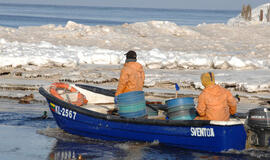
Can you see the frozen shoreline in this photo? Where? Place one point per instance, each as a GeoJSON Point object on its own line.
{"type": "Point", "coordinates": [160, 44]}
{"type": "Point", "coordinates": [248, 81]}
{"type": "Point", "coordinates": [244, 62]}
{"type": "Point", "coordinates": [159, 84]}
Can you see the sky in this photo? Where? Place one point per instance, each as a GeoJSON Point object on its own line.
{"type": "Point", "coordinates": [178, 4]}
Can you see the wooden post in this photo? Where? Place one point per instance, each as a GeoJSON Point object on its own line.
{"type": "Point", "coordinates": [249, 13]}
{"type": "Point", "coordinates": [261, 15]}
{"type": "Point", "coordinates": [268, 14]}
{"type": "Point", "coordinates": [243, 11]}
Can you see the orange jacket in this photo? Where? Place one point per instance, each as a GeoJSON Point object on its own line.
{"type": "Point", "coordinates": [215, 103]}
{"type": "Point", "coordinates": [131, 78]}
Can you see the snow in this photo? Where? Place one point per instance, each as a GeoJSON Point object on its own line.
{"type": "Point", "coordinates": [44, 53]}
{"type": "Point", "coordinates": [239, 55]}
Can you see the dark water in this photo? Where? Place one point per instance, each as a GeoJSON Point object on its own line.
{"type": "Point", "coordinates": [15, 15]}
{"type": "Point", "coordinates": [23, 135]}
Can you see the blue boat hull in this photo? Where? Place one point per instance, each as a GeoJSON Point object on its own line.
{"type": "Point", "coordinates": [189, 134]}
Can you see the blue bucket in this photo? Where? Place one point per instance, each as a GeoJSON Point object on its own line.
{"type": "Point", "coordinates": [187, 114]}
{"type": "Point", "coordinates": [131, 104]}
{"type": "Point", "coordinates": [180, 102]}
{"type": "Point", "coordinates": [181, 108]}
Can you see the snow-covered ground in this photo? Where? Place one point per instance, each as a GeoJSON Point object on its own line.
{"type": "Point", "coordinates": [239, 55]}
{"type": "Point", "coordinates": [159, 45]}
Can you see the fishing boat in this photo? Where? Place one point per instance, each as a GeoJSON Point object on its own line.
{"type": "Point", "coordinates": [201, 135]}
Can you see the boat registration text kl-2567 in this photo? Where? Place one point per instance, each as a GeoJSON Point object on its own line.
{"type": "Point", "coordinates": [63, 111]}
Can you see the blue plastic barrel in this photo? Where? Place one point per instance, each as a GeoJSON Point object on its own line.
{"type": "Point", "coordinates": [131, 104]}
{"type": "Point", "coordinates": [181, 108]}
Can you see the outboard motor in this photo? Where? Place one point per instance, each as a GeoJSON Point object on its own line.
{"type": "Point", "coordinates": [258, 122]}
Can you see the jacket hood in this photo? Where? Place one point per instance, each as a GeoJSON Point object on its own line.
{"type": "Point", "coordinates": [134, 65]}
{"type": "Point", "coordinates": [214, 90]}
{"type": "Point", "coordinates": [208, 79]}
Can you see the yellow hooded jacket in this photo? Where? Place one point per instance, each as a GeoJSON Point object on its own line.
{"type": "Point", "coordinates": [131, 78]}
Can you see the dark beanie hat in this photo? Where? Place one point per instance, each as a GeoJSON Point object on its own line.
{"type": "Point", "coordinates": [131, 55]}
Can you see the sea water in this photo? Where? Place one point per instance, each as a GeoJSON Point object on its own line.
{"type": "Point", "coordinates": [16, 15]}
{"type": "Point", "coordinates": [24, 135]}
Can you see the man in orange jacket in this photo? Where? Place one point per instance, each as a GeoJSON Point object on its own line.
{"type": "Point", "coordinates": [132, 75]}
{"type": "Point", "coordinates": [215, 102]}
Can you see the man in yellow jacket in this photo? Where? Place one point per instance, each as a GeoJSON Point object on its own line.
{"type": "Point", "coordinates": [215, 102]}
{"type": "Point", "coordinates": [132, 75]}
